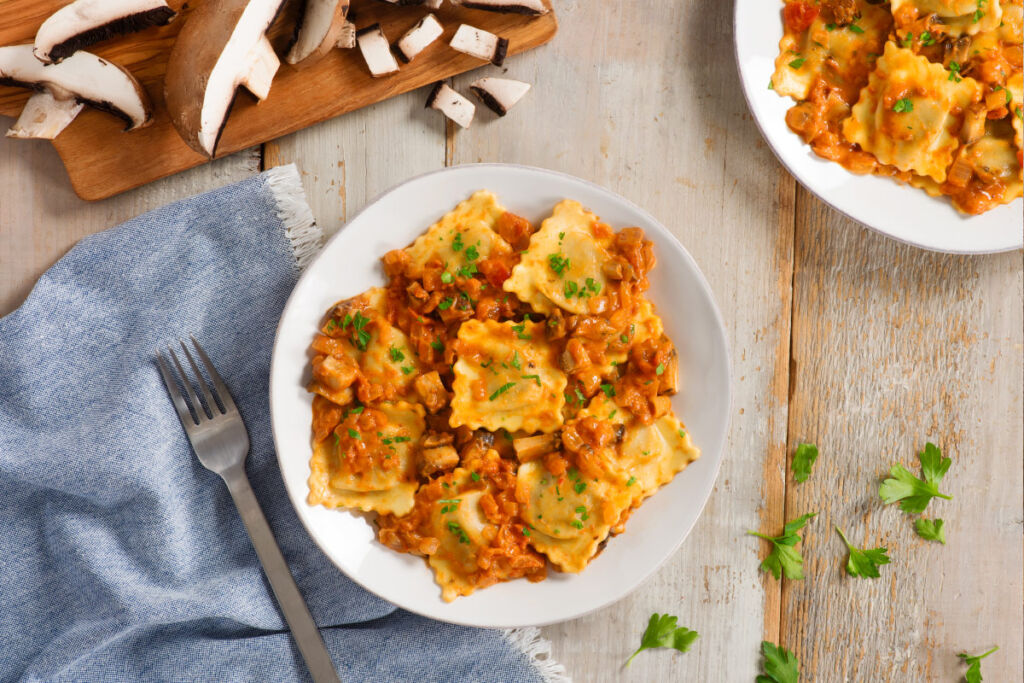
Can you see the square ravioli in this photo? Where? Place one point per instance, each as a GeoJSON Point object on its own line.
{"type": "Point", "coordinates": [957, 17]}
{"type": "Point", "coordinates": [910, 112]}
{"type": "Point", "coordinates": [564, 265]}
{"type": "Point", "coordinates": [506, 377]}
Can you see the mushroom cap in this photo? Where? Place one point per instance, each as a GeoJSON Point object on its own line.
{"type": "Point", "coordinates": [223, 45]}
{"type": "Point", "coordinates": [84, 22]}
{"type": "Point", "coordinates": [83, 77]}
{"type": "Point", "coordinates": [318, 30]}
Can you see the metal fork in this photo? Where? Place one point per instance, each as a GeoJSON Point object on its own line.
{"type": "Point", "coordinates": [221, 443]}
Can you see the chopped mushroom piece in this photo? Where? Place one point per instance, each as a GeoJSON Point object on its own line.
{"type": "Point", "coordinates": [481, 44]}
{"type": "Point", "coordinates": [426, 31]}
{"type": "Point", "coordinates": [530, 7]}
{"type": "Point", "coordinates": [80, 24]}
{"type": "Point", "coordinates": [499, 94]}
{"type": "Point", "coordinates": [451, 104]}
{"type": "Point", "coordinates": [433, 4]}
{"type": "Point", "coordinates": [320, 28]}
{"type": "Point", "coordinates": [532, 447]}
{"type": "Point", "coordinates": [347, 37]}
{"type": "Point", "coordinates": [62, 89]}
{"type": "Point", "coordinates": [222, 46]}
{"type": "Point", "coordinates": [376, 51]}
{"type": "Point", "coordinates": [431, 391]}
{"type": "Point", "coordinates": [438, 459]}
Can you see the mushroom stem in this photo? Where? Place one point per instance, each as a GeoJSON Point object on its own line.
{"type": "Point", "coordinates": [45, 116]}
{"type": "Point", "coordinates": [263, 64]}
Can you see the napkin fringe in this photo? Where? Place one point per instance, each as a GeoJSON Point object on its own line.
{"type": "Point", "coordinates": [304, 235]}
{"type": "Point", "coordinates": [537, 650]}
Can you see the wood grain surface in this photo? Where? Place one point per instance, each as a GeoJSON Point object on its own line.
{"type": "Point", "coordinates": [101, 161]}
{"type": "Point", "coordinates": [839, 336]}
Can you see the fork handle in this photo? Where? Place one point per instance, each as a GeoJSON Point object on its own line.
{"type": "Point", "coordinates": [300, 621]}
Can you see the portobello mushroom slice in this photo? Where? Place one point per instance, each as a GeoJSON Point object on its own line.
{"type": "Point", "coordinates": [418, 38]}
{"type": "Point", "coordinates": [450, 103]}
{"type": "Point", "coordinates": [499, 94]}
{"type": "Point", "coordinates": [321, 27]}
{"type": "Point", "coordinates": [529, 7]}
{"type": "Point", "coordinates": [80, 24]}
{"type": "Point", "coordinates": [222, 46]}
{"type": "Point", "coordinates": [63, 89]}
{"type": "Point", "coordinates": [376, 51]}
{"type": "Point", "coordinates": [481, 44]}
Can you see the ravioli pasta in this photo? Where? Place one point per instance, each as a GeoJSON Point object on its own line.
{"type": "Point", "coordinates": [503, 403]}
{"type": "Point", "coordinates": [924, 91]}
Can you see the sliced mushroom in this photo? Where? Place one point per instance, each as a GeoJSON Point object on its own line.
{"type": "Point", "coordinates": [499, 94]}
{"type": "Point", "coordinates": [451, 104]}
{"type": "Point", "coordinates": [530, 7]}
{"type": "Point", "coordinates": [80, 24]}
{"type": "Point", "coordinates": [438, 459]}
{"type": "Point", "coordinates": [481, 44]}
{"type": "Point", "coordinates": [319, 29]}
{"type": "Point", "coordinates": [376, 51]}
{"type": "Point", "coordinates": [532, 447]}
{"type": "Point", "coordinates": [433, 4]}
{"type": "Point", "coordinates": [431, 391]}
{"type": "Point", "coordinates": [222, 46]}
{"type": "Point", "coordinates": [347, 37]}
{"type": "Point", "coordinates": [62, 89]}
{"type": "Point", "coordinates": [426, 31]}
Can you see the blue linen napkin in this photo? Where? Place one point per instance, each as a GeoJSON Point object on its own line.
{"type": "Point", "coordinates": [121, 557]}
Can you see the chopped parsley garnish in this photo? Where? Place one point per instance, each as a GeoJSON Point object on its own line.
{"type": "Point", "coordinates": [856, 29]}
{"type": "Point", "coordinates": [353, 434]}
{"type": "Point", "coordinates": [474, 476]}
{"type": "Point", "coordinates": [927, 39]}
{"type": "Point", "coordinates": [561, 236]}
{"type": "Point", "coordinates": [346, 321]}
{"type": "Point", "coordinates": [449, 505]}
{"type": "Point", "coordinates": [558, 263]}
{"type": "Point", "coordinates": [973, 662]}
{"type": "Point", "coordinates": [593, 285]}
{"type": "Point", "coordinates": [446, 278]}
{"type": "Point", "coordinates": [569, 289]}
{"type": "Point", "coordinates": [780, 665]}
{"type": "Point", "coordinates": [468, 270]}
{"type": "Point", "coordinates": [526, 532]}
{"type": "Point", "coordinates": [395, 439]}
{"type": "Point", "coordinates": [908, 39]}
{"type": "Point", "coordinates": [954, 72]}
{"type": "Point", "coordinates": [408, 370]}
{"type": "Point", "coordinates": [624, 338]}
{"type": "Point", "coordinates": [608, 389]}
{"type": "Point", "coordinates": [520, 330]}
{"type": "Point", "coordinates": [337, 440]}
{"type": "Point", "coordinates": [360, 337]}
{"type": "Point", "coordinates": [797, 63]}
{"type": "Point", "coordinates": [863, 564]}
{"type": "Point", "coordinates": [662, 632]}
{"type": "Point", "coordinates": [660, 370]}
{"type": "Point", "coordinates": [396, 354]}
{"type": "Point", "coordinates": [771, 84]}
{"type": "Point", "coordinates": [930, 530]}
{"type": "Point", "coordinates": [331, 324]}
{"type": "Point", "coordinates": [914, 494]}
{"type": "Point", "coordinates": [580, 486]}
{"type": "Point", "coordinates": [501, 390]}
{"type": "Point", "coordinates": [784, 558]}
{"type": "Point", "coordinates": [356, 411]}
{"type": "Point", "coordinates": [445, 304]}
{"type": "Point", "coordinates": [457, 242]}
{"type": "Point", "coordinates": [579, 396]}
{"type": "Point", "coordinates": [458, 531]}
{"type": "Point", "coordinates": [535, 378]}
{"type": "Point", "coordinates": [903, 105]}
{"type": "Point", "coordinates": [472, 254]}
{"type": "Point", "coordinates": [803, 461]}
{"type": "Point", "coordinates": [631, 481]}
{"type": "Point", "coordinates": [515, 361]}
{"type": "Point", "coordinates": [830, 27]}
{"type": "Point", "coordinates": [437, 344]}
{"type": "Point", "coordinates": [612, 414]}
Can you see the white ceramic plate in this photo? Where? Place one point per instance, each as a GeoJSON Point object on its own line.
{"type": "Point", "coordinates": [902, 212]}
{"type": "Point", "coordinates": [350, 263]}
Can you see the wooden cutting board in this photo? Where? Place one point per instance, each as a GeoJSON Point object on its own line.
{"type": "Point", "coordinates": [102, 161]}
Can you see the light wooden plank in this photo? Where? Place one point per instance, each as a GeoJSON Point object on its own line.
{"type": "Point", "coordinates": [41, 218]}
{"type": "Point", "coordinates": [638, 107]}
{"type": "Point", "coordinates": [893, 347]}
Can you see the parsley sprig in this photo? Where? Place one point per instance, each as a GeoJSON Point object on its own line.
{"type": "Point", "coordinates": [914, 494]}
{"type": "Point", "coordinates": [662, 632]}
{"type": "Point", "coordinates": [863, 564]}
{"type": "Point", "coordinates": [930, 530]}
{"type": "Point", "coordinates": [780, 665]}
{"type": "Point", "coordinates": [784, 558]}
{"type": "Point", "coordinates": [973, 673]}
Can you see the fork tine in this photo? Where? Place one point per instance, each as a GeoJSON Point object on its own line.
{"type": "Point", "coordinates": [201, 415]}
{"type": "Point", "coordinates": [222, 389]}
{"type": "Point", "coordinates": [201, 381]}
{"type": "Point", "coordinates": [172, 388]}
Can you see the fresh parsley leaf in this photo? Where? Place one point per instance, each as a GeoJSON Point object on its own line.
{"type": "Point", "coordinates": [784, 558]}
{"type": "Point", "coordinates": [913, 493]}
{"type": "Point", "coordinates": [662, 632]}
{"type": "Point", "coordinates": [437, 344]}
{"type": "Point", "coordinates": [803, 461]}
{"type": "Point", "coordinates": [864, 564]}
{"type": "Point", "coordinates": [660, 370]}
{"type": "Point", "coordinates": [472, 254]}
{"type": "Point", "coordinates": [927, 39]}
{"type": "Point", "coordinates": [396, 354]}
{"type": "Point", "coordinates": [457, 242]}
{"type": "Point", "coordinates": [445, 304]}
{"type": "Point", "coordinates": [570, 288]}
{"type": "Point", "coordinates": [780, 665]}
{"type": "Point", "coordinates": [557, 263]}
{"type": "Point", "coordinates": [973, 673]}
{"type": "Point", "coordinates": [608, 390]}
{"type": "Point", "coordinates": [930, 530]}
{"type": "Point", "coordinates": [903, 105]}
{"type": "Point", "coordinates": [797, 63]}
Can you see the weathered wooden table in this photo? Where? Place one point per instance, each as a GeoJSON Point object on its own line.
{"type": "Point", "coordinates": [839, 337]}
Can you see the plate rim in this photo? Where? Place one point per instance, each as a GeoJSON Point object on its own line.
{"type": "Point", "coordinates": [723, 437]}
{"type": "Point", "coordinates": [799, 178]}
